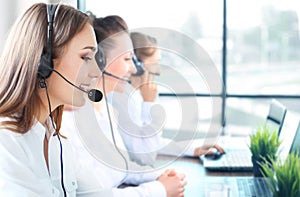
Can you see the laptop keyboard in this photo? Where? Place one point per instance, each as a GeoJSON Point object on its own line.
{"type": "Point", "coordinates": [253, 187]}
{"type": "Point", "coordinates": [237, 159]}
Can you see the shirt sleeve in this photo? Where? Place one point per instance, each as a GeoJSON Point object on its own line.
{"type": "Point", "coordinates": [141, 137]}
{"type": "Point", "coordinates": [146, 112]}
{"type": "Point", "coordinates": [173, 148]}
{"type": "Point", "coordinates": [87, 182]}
{"type": "Point", "coordinates": [88, 185]}
{"type": "Point", "coordinates": [154, 188]}
{"type": "Point", "coordinates": [109, 179]}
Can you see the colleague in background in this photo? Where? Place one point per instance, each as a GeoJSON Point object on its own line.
{"type": "Point", "coordinates": [112, 35]}
{"type": "Point", "coordinates": [140, 127]}
{"type": "Point", "coordinates": [36, 160]}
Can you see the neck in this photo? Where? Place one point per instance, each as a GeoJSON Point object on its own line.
{"type": "Point", "coordinates": [44, 108]}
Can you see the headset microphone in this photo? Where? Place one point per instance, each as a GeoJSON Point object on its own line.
{"type": "Point", "coordinates": [116, 77]}
{"type": "Point", "coordinates": [93, 94]}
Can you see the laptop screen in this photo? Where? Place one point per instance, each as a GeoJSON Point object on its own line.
{"type": "Point", "coordinates": [288, 135]}
{"type": "Point", "coordinates": [296, 142]}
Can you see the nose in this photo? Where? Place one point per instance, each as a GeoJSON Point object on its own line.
{"type": "Point", "coordinates": [94, 71]}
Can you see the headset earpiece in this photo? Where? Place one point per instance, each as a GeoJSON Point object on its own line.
{"type": "Point", "coordinates": [45, 66]}
{"type": "Point", "coordinates": [139, 65]}
{"type": "Point", "coordinates": [42, 83]}
{"type": "Point", "coordinates": [100, 58]}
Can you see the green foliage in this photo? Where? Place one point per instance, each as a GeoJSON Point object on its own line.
{"type": "Point", "coordinates": [284, 177]}
{"type": "Point", "coordinates": [264, 143]}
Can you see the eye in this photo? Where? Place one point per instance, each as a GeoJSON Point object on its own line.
{"type": "Point", "coordinates": [128, 59]}
{"type": "Point", "coordinates": [86, 58]}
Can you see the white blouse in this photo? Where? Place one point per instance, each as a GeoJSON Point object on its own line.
{"type": "Point", "coordinates": [97, 141]}
{"type": "Point", "coordinates": [23, 170]}
{"type": "Point", "coordinates": [141, 128]}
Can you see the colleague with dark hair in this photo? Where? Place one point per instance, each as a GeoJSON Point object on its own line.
{"type": "Point", "coordinates": [48, 61]}
{"type": "Point", "coordinates": [113, 37]}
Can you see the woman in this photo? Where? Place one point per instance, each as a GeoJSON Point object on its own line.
{"type": "Point", "coordinates": [111, 33]}
{"type": "Point", "coordinates": [35, 159]}
{"type": "Point", "coordinates": [141, 96]}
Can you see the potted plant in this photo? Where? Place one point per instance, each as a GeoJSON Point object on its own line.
{"type": "Point", "coordinates": [264, 145]}
{"type": "Point", "coordinates": [284, 177]}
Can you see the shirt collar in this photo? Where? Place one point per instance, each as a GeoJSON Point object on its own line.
{"type": "Point", "coordinates": [40, 130]}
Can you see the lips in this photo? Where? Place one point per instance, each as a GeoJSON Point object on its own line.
{"type": "Point", "coordinates": [126, 77]}
{"type": "Point", "coordinates": [84, 87]}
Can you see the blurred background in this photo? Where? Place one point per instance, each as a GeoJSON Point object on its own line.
{"type": "Point", "coordinates": [254, 45]}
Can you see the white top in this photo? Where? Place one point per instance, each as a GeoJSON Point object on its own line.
{"type": "Point", "coordinates": [141, 127]}
{"type": "Point", "coordinates": [106, 156]}
{"type": "Point", "coordinates": [23, 170]}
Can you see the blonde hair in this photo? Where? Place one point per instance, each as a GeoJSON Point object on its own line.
{"type": "Point", "coordinates": [19, 99]}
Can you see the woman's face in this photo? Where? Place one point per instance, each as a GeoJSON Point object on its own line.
{"type": "Point", "coordinates": [78, 65]}
{"type": "Point", "coordinates": [119, 64]}
{"type": "Point", "coordinates": [152, 68]}
{"type": "Point", "coordinates": [152, 63]}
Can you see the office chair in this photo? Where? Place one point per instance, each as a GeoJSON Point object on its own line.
{"type": "Point", "coordinates": [276, 115]}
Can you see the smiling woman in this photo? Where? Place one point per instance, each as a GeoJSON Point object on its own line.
{"type": "Point", "coordinates": [36, 160]}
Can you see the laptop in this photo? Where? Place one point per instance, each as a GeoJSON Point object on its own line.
{"type": "Point", "coordinates": [254, 186]}
{"type": "Point", "coordinates": [233, 186]}
{"type": "Point", "coordinates": [296, 142]}
{"type": "Point", "coordinates": [290, 136]}
{"type": "Point", "coordinates": [238, 158]}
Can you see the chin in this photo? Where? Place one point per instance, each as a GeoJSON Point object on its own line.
{"type": "Point", "coordinates": [120, 88]}
{"type": "Point", "coordinates": [78, 102]}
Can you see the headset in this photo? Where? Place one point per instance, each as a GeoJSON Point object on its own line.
{"type": "Point", "coordinates": [46, 67]}
{"type": "Point", "coordinates": [139, 65]}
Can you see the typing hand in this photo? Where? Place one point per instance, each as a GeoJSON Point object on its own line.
{"type": "Point", "coordinates": [205, 150]}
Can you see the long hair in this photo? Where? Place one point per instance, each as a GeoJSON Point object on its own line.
{"type": "Point", "coordinates": [19, 99]}
{"type": "Point", "coordinates": [144, 45]}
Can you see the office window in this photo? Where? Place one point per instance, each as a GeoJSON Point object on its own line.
{"type": "Point", "coordinates": [180, 24]}
{"type": "Point", "coordinates": [264, 54]}
{"type": "Point", "coordinates": [261, 57]}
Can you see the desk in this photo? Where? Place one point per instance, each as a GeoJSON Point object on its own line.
{"type": "Point", "coordinates": [195, 173]}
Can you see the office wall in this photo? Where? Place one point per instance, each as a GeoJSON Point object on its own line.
{"type": "Point", "coordinates": [11, 9]}
{"type": "Point", "coordinates": [7, 15]}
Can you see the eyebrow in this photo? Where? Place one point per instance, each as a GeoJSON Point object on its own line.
{"type": "Point", "coordinates": [90, 47]}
